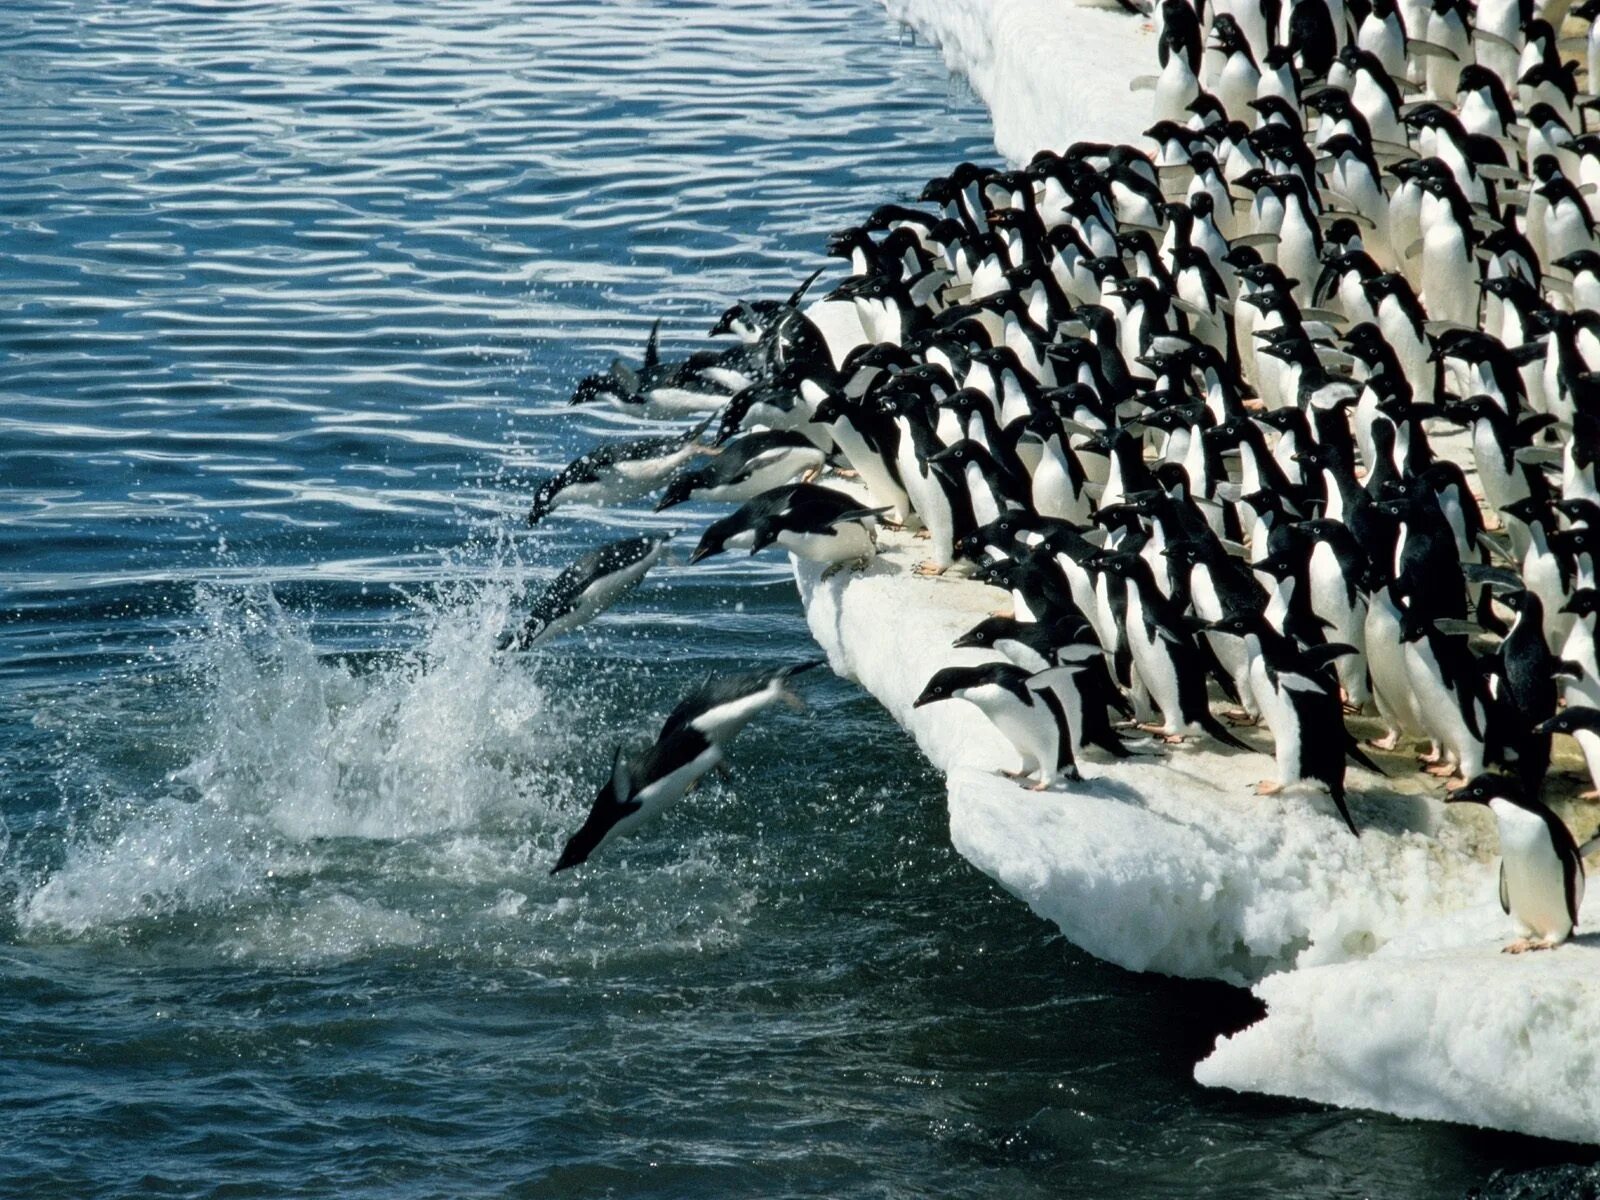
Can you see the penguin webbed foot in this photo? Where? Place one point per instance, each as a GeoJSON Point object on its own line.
{"type": "Point", "coordinates": [1268, 787]}
{"type": "Point", "coordinates": [1528, 946]}
{"type": "Point", "coordinates": [929, 569]}
{"type": "Point", "coordinates": [1238, 716]}
{"type": "Point", "coordinates": [1387, 742]}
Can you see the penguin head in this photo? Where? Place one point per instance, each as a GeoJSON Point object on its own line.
{"type": "Point", "coordinates": [1237, 624]}
{"type": "Point", "coordinates": [957, 683]}
{"type": "Point", "coordinates": [1530, 510]}
{"type": "Point", "coordinates": [719, 533]}
{"type": "Point", "coordinates": [1570, 720]}
{"type": "Point", "coordinates": [594, 388]}
{"type": "Point", "coordinates": [1484, 788]}
{"type": "Point", "coordinates": [1330, 101]}
{"type": "Point", "coordinates": [1227, 36]}
{"type": "Point", "coordinates": [1580, 262]}
{"type": "Point", "coordinates": [1580, 511]}
{"type": "Point", "coordinates": [987, 632]}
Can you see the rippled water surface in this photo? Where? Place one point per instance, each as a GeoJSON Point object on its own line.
{"type": "Point", "coordinates": [292, 296]}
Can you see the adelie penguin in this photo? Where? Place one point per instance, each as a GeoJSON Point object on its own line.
{"type": "Point", "coordinates": [691, 743]}
{"type": "Point", "coordinates": [1541, 869]}
{"type": "Point", "coordinates": [587, 588]}
{"type": "Point", "coordinates": [815, 523]}
{"type": "Point", "coordinates": [617, 472]}
{"type": "Point", "coordinates": [746, 467]}
{"type": "Point", "coordinates": [1031, 720]}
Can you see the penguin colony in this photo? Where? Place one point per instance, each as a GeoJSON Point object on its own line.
{"type": "Point", "coordinates": [1183, 406]}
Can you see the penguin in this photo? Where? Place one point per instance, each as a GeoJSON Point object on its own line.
{"type": "Point", "coordinates": [808, 509]}
{"type": "Point", "coordinates": [1065, 656]}
{"type": "Point", "coordinates": [616, 472]}
{"type": "Point", "coordinates": [659, 389]}
{"type": "Point", "coordinates": [1171, 665]}
{"type": "Point", "coordinates": [1300, 703]}
{"type": "Point", "coordinates": [637, 793]}
{"type": "Point", "coordinates": [691, 743]}
{"type": "Point", "coordinates": [745, 468]}
{"type": "Point", "coordinates": [1541, 870]}
{"type": "Point", "coordinates": [588, 587]}
{"type": "Point", "coordinates": [1030, 719]}
{"type": "Point", "coordinates": [724, 704]}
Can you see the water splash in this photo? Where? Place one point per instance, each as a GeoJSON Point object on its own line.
{"type": "Point", "coordinates": [296, 750]}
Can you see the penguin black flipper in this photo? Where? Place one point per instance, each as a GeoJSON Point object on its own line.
{"type": "Point", "coordinates": [1505, 896]}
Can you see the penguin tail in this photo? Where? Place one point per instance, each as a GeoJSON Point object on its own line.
{"type": "Point", "coordinates": [1358, 756]}
{"type": "Point", "coordinates": [1112, 744]}
{"type": "Point", "coordinates": [1215, 728]}
{"type": "Point", "coordinates": [1337, 792]}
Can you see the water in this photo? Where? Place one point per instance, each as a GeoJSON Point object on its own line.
{"type": "Point", "coordinates": [293, 296]}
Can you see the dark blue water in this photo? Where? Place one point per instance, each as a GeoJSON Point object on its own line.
{"type": "Point", "coordinates": [291, 297]}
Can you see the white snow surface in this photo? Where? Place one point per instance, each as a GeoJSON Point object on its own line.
{"type": "Point", "coordinates": [1051, 72]}
{"type": "Point", "coordinates": [1437, 1024]}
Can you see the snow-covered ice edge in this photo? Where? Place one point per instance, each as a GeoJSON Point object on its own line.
{"type": "Point", "coordinates": [1378, 961]}
{"type": "Point", "coordinates": [1051, 72]}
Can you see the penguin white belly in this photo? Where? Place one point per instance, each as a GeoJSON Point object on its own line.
{"type": "Point", "coordinates": [655, 797]}
{"type": "Point", "coordinates": [1155, 667]}
{"type": "Point", "coordinates": [1330, 600]}
{"type": "Point", "coordinates": [880, 485]}
{"type": "Point", "coordinates": [1053, 493]}
{"type": "Point", "coordinates": [771, 470]}
{"type": "Point", "coordinates": [1440, 711]}
{"type": "Point", "coordinates": [1534, 881]}
{"type": "Point", "coordinates": [1281, 721]}
{"type": "Point", "coordinates": [1449, 277]}
{"type": "Point", "coordinates": [1391, 687]}
{"type": "Point", "coordinates": [1031, 729]}
{"type": "Point", "coordinates": [849, 541]}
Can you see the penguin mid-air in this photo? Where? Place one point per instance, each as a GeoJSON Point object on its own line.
{"type": "Point", "coordinates": [1541, 870]}
{"type": "Point", "coordinates": [587, 588]}
{"type": "Point", "coordinates": [692, 742]}
{"type": "Point", "coordinates": [616, 472]}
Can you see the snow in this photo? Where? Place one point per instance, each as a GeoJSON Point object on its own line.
{"type": "Point", "coordinates": [1051, 72]}
{"type": "Point", "coordinates": [1167, 862]}
{"type": "Point", "coordinates": [1437, 1024]}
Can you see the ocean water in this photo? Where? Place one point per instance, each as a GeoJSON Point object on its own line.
{"type": "Point", "coordinates": [293, 295]}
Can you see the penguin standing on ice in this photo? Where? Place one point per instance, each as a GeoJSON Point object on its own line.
{"type": "Point", "coordinates": [1171, 664]}
{"type": "Point", "coordinates": [1031, 720]}
{"type": "Point", "coordinates": [1299, 699]}
{"type": "Point", "coordinates": [1541, 870]}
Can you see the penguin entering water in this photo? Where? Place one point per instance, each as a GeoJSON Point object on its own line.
{"type": "Point", "coordinates": [1031, 720]}
{"type": "Point", "coordinates": [586, 589]}
{"type": "Point", "coordinates": [1541, 870]}
{"type": "Point", "coordinates": [691, 743]}
{"type": "Point", "coordinates": [616, 472]}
